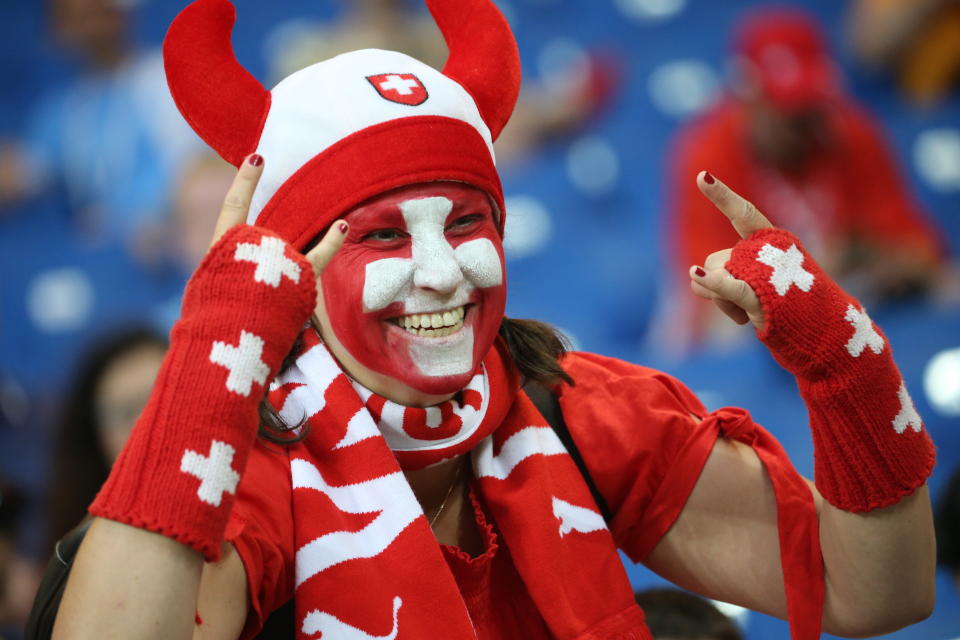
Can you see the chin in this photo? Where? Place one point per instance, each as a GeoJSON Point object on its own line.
{"type": "Point", "coordinates": [439, 386]}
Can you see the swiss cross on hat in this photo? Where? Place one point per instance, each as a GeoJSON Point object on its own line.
{"type": "Point", "coordinates": [404, 88]}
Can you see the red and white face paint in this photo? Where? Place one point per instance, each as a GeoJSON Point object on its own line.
{"type": "Point", "coordinates": [417, 292]}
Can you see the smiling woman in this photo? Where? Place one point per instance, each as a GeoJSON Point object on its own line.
{"type": "Point", "coordinates": [426, 257]}
{"type": "Point", "coordinates": [426, 493]}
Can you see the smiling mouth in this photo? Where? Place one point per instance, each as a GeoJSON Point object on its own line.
{"type": "Point", "coordinates": [432, 325]}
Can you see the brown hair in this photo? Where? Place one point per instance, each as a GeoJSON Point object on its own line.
{"type": "Point", "coordinates": [535, 347]}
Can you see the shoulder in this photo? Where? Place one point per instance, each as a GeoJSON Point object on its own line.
{"type": "Point", "coordinates": [641, 434]}
{"type": "Point", "coordinates": [600, 377]}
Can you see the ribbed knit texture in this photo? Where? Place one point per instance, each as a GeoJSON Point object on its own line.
{"type": "Point", "coordinates": [242, 311]}
{"type": "Point", "coordinates": [870, 447]}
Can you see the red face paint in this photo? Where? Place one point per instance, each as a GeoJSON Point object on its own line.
{"type": "Point", "coordinates": [417, 292]}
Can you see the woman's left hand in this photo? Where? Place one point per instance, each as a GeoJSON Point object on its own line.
{"type": "Point", "coordinates": [712, 281]}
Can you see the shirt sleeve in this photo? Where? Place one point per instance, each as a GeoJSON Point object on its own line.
{"type": "Point", "coordinates": [645, 439]}
{"type": "Point", "coordinates": [639, 433]}
{"type": "Point", "coordinates": [261, 530]}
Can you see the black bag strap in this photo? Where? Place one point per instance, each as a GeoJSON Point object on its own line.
{"type": "Point", "coordinates": [47, 601]}
{"type": "Point", "coordinates": [549, 407]}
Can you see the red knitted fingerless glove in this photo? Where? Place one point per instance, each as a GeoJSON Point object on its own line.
{"type": "Point", "coordinates": [870, 447]}
{"type": "Point", "coordinates": [242, 311]}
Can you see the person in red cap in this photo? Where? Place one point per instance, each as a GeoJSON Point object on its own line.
{"type": "Point", "coordinates": [811, 158]}
{"type": "Point", "coordinates": [412, 479]}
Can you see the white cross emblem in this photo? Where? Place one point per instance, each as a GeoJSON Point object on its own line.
{"type": "Point", "coordinates": [403, 86]}
{"type": "Point", "coordinates": [787, 268]}
{"type": "Point", "coordinates": [215, 471]}
{"type": "Point", "coordinates": [908, 415]}
{"type": "Point", "coordinates": [864, 335]}
{"type": "Point", "coordinates": [242, 361]}
{"type": "Point", "coordinates": [271, 260]}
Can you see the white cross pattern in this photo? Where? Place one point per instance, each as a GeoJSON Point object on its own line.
{"type": "Point", "coordinates": [787, 268]}
{"type": "Point", "coordinates": [403, 86]}
{"type": "Point", "coordinates": [908, 415]}
{"type": "Point", "coordinates": [271, 260]}
{"type": "Point", "coordinates": [242, 361]}
{"type": "Point", "coordinates": [864, 335]}
{"type": "Point", "coordinates": [215, 471]}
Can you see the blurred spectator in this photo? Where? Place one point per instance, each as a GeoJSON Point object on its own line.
{"type": "Point", "coordinates": [673, 614]}
{"type": "Point", "coordinates": [947, 520]}
{"type": "Point", "coordinates": [111, 139]}
{"type": "Point", "coordinates": [811, 159]}
{"type": "Point", "coordinates": [101, 405]}
{"type": "Point", "coordinates": [917, 41]}
{"type": "Point", "coordinates": [197, 198]}
{"type": "Point", "coordinates": [18, 576]}
{"type": "Point", "coordinates": [546, 110]}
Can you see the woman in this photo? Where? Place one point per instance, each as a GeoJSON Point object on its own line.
{"type": "Point", "coordinates": [100, 407]}
{"type": "Point", "coordinates": [390, 164]}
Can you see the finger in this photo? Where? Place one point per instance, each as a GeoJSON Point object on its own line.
{"type": "Point", "coordinates": [717, 260]}
{"type": "Point", "coordinates": [237, 203]}
{"type": "Point", "coordinates": [328, 246]}
{"type": "Point", "coordinates": [744, 217]}
{"type": "Point", "coordinates": [734, 312]}
{"type": "Point", "coordinates": [724, 286]}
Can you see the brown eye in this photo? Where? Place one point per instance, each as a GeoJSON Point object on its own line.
{"type": "Point", "coordinates": [464, 222]}
{"type": "Point", "coordinates": [384, 235]}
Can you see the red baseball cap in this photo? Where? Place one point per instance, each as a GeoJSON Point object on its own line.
{"type": "Point", "coordinates": [785, 53]}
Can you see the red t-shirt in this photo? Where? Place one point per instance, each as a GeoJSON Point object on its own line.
{"type": "Point", "coordinates": [633, 428]}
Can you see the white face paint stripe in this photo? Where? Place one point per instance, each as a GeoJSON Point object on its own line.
{"type": "Point", "coordinates": [480, 262]}
{"type": "Point", "coordinates": [434, 262]}
{"type": "Point", "coordinates": [383, 281]}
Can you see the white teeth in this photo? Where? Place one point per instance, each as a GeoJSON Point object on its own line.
{"type": "Point", "coordinates": [433, 325]}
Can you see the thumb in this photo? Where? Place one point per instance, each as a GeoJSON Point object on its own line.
{"type": "Point", "coordinates": [321, 255]}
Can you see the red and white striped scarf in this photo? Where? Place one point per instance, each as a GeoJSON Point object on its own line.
{"type": "Point", "coordinates": [367, 562]}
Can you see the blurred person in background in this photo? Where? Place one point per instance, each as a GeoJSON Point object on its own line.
{"type": "Point", "coordinates": [916, 41]}
{"type": "Point", "coordinates": [548, 109]}
{"type": "Point", "coordinates": [674, 614]}
{"type": "Point", "coordinates": [110, 140]}
{"type": "Point", "coordinates": [18, 575]}
{"type": "Point", "coordinates": [813, 161]}
{"type": "Point", "coordinates": [107, 393]}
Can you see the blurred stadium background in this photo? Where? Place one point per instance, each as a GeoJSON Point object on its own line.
{"type": "Point", "coordinates": [585, 226]}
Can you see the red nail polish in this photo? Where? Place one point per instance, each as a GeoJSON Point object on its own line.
{"type": "Point", "coordinates": [343, 227]}
{"type": "Point", "coordinates": [700, 272]}
{"type": "Point", "coordinates": [255, 160]}
{"type": "Point", "coordinates": [708, 178]}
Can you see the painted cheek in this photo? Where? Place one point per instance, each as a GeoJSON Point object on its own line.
{"type": "Point", "coordinates": [481, 262]}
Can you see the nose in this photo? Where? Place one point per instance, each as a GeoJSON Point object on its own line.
{"type": "Point", "coordinates": [435, 266]}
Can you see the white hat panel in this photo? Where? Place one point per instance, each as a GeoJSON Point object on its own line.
{"type": "Point", "coordinates": [324, 103]}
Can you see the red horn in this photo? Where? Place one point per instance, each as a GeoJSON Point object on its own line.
{"type": "Point", "coordinates": [483, 56]}
{"type": "Point", "coordinates": [223, 103]}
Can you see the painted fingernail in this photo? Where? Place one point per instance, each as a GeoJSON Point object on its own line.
{"type": "Point", "coordinates": [708, 178]}
{"type": "Point", "coordinates": [343, 227]}
{"type": "Point", "coordinates": [255, 160]}
{"type": "Point", "coordinates": [700, 272]}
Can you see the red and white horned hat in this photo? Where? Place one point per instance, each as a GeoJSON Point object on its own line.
{"type": "Point", "coordinates": [351, 127]}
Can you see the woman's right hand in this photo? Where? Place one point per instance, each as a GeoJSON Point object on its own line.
{"type": "Point", "coordinates": [236, 208]}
